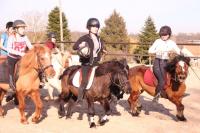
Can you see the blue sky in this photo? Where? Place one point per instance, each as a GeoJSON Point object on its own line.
{"type": "Point", "coordinates": [181, 15]}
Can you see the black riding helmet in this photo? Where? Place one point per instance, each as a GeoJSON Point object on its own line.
{"type": "Point", "coordinates": [51, 35]}
{"type": "Point", "coordinates": [165, 30]}
{"type": "Point", "coordinates": [93, 22]}
{"type": "Point", "coordinates": [9, 24]}
{"type": "Point", "coordinates": [19, 23]}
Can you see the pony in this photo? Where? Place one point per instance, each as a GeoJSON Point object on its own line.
{"type": "Point", "coordinates": [60, 62]}
{"type": "Point", "coordinates": [4, 80]}
{"type": "Point", "coordinates": [107, 73]}
{"type": "Point", "coordinates": [176, 74]}
{"type": "Point", "coordinates": [33, 64]}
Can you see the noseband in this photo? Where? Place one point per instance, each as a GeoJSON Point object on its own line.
{"type": "Point", "coordinates": [121, 84]}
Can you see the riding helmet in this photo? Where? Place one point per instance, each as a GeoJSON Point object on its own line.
{"type": "Point", "coordinates": [93, 22]}
{"type": "Point", "coordinates": [19, 23]}
{"type": "Point", "coordinates": [165, 30]}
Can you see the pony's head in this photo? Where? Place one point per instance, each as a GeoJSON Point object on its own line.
{"type": "Point", "coordinates": [38, 58]}
{"type": "Point", "coordinates": [178, 68]}
{"type": "Point", "coordinates": [119, 73]}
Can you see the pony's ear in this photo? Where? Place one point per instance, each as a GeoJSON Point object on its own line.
{"type": "Point", "coordinates": [187, 60]}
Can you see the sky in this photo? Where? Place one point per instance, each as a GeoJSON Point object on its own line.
{"type": "Point", "coordinates": [180, 15]}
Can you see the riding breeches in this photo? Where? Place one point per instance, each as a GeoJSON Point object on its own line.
{"type": "Point", "coordinates": [85, 73]}
{"type": "Point", "coordinates": [11, 68]}
{"type": "Point", "coordinates": [159, 72]}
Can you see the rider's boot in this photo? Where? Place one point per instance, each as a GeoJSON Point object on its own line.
{"type": "Point", "coordinates": [11, 89]}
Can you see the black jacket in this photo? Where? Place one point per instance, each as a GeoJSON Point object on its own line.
{"type": "Point", "coordinates": [90, 60]}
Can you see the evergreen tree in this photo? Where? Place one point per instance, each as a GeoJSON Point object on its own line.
{"type": "Point", "coordinates": [147, 36]}
{"type": "Point", "coordinates": [54, 25]}
{"type": "Point", "coordinates": [115, 31]}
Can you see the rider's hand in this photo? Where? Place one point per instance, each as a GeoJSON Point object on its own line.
{"type": "Point", "coordinates": [82, 45]}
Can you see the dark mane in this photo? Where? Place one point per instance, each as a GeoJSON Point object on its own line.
{"type": "Point", "coordinates": [110, 66]}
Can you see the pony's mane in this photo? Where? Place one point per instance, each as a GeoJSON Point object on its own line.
{"type": "Point", "coordinates": [109, 67]}
{"type": "Point", "coordinates": [29, 60]}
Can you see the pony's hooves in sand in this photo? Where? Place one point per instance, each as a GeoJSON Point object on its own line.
{"type": "Point", "coordinates": [25, 122]}
{"type": "Point", "coordinates": [35, 120]}
{"type": "Point", "coordinates": [135, 114]}
{"type": "Point", "coordinates": [181, 118]}
{"type": "Point", "coordinates": [92, 125]}
{"type": "Point", "coordinates": [61, 114]}
{"type": "Point", "coordinates": [102, 122]}
{"type": "Point", "coordinates": [139, 108]}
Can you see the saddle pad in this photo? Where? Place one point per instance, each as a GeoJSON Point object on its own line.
{"type": "Point", "coordinates": [76, 80]}
{"type": "Point", "coordinates": [149, 78]}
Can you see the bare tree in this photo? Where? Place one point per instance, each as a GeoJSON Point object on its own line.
{"type": "Point", "coordinates": [37, 23]}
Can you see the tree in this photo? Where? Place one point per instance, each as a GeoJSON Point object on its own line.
{"type": "Point", "coordinates": [54, 25]}
{"type": "Point", "coordinates": [115, 31]}
{"type": "Point", "coordinates": [147, 36]}
{"type": "Point", "coordinates": [36, 23]}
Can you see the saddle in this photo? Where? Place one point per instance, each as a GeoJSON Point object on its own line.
{"type": "Point", "coordinates": [149, 78]}
{"type": "Point", "coordinates": [77, 77]}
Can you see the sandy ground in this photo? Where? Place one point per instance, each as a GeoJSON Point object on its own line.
{"type": "Point", "coordinates": [154, 118]}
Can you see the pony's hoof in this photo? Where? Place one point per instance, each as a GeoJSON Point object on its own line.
{"type": "Point", "coordinates": [61, 114]}
{"type": "Point", "coordinates": [181, 118]}
{"type": "Point", "coordinates": [2, 113]}
{"type": "Point", "coordinates": [68, 117]}
{"type": "Point", "coordinates": [35, 120]}
{"type": "Point", "coordinates": [102, 122]}
{"type": "Point", "coordinates": [92, 125]}
{"type": "Point", "coordinates": [139, 108]}
{"type": "Point", "coordinates": [25, 122]}
{"type": "Point", "coordinates": [135, 113]}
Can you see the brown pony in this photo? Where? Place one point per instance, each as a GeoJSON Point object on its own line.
{"type": "Point", "coordinates": [176, 73]}
{"type": "Point", "coordinates": [34, 63]}
{"type": "Point", "coordinates": [107, 73]}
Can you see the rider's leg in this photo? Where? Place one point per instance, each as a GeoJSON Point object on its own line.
{"type": "Point", "coordinates": [159, 72]}
{"type": "Point", "coordinates": [11, 68]}
{"type": "Point", "coordinates": [85, 71]}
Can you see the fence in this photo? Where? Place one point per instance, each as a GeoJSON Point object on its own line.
{"type": "Point", "coordinates": [125, 53]}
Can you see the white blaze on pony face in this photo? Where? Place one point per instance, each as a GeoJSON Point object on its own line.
{"type": "Point", "coordinates": [182, 64]}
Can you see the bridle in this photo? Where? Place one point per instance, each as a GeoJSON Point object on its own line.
{"type": "Point", "coordinates": [122, 83]}
{"type": "Point", "coordinates": [41, 70]}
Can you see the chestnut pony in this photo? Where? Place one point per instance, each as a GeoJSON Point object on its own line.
{"type": "Point", "coordinates": [176, 73]}
{"type": "Point", "coordinates": [35, 62]}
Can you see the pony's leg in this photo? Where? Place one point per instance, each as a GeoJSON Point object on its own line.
{"type": "Point", "coordinates": [50, 91]}
{"type": "Point", "coordinates": [2, 93]}
{"type": "Point", "coordinates": [133, 101]}
{"type": "Point", "coordinates": [91, 113]}
{"type": "Point", "coordinates": [106, 106]}
{"type": "Point", "coordinates": [21, 98]}
{"type": "Point", "coordinates": [35, 96]}
{"type": "Point", "coordinates": [63, 98]}
{"type": "Point", "coordinates": [69, 108]}
{"type": "Point", "coordinates": [179, 106]}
